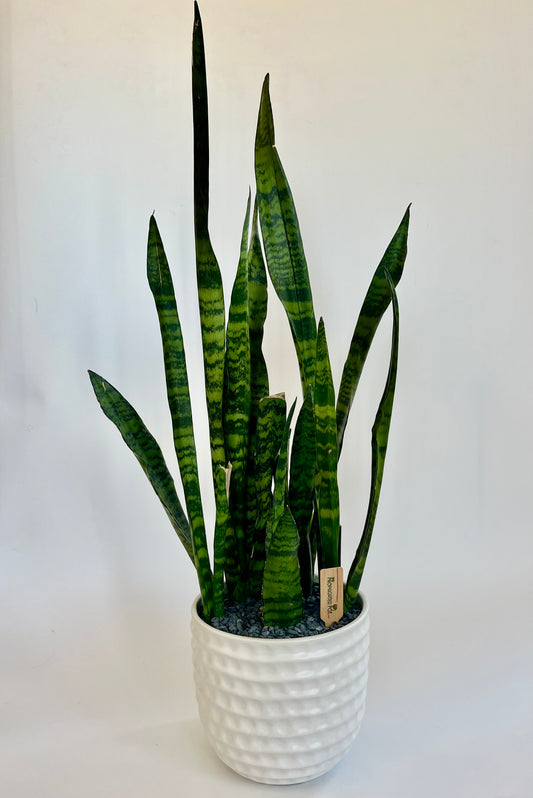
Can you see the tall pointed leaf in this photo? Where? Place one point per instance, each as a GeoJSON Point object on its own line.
{"type": "Point", "coordinates": [259, 388]}
{"type": "Point", "coordinates": [327, 493]}
{"type": "Point", "coordinates": [374, 306]}
{"type": "Point", "coordinates": [282, 241]}
{"type": "Point", "coordinates": [269, 433]}
{"type": "Point", "coordinates": [160, 281]}
{"type": "Point", "coordinates": [223, 477]}
{"type": "Point", "coordinates": [302, 485]}
{"type": "Point", "coordinates": [210, 293]}
{"type": "Point", "coordinates": [279, 500]}
{"type": "Point", "coordinates": [282, 591]}
{"type": "Point", "coordinates": [237, 402]}
{"type": "Point", "coordinates": [380, 437]}
{"type": "Point", "coordinates": [257, 311]}
{"type": "Point", "coordinates": [147, 451]}
{"type": "Point", "coordinates": [237, 390]}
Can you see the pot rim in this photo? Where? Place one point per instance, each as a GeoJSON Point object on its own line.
{"type": "Point", "coordinates": [280, 641]}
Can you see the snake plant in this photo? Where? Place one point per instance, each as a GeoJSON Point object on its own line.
{"type": "Point", "coordinates": [275, 489]}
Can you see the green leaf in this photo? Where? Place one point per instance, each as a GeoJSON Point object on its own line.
{"type": "Point", "coordinates": [237, 402]}
{"type": "Point", "coordinates": [210, 292]}
{"type": "Point", "coordinates": [302, 485]}
{"type": "Point", "coordinates": [219, 549]}
{"type": "Point", "coordinates": [237, 391]}
{"type": "Point", "coordinates": [237, 394]}
{"type": "Point", "coordinates": [259, 387]}
{"type": "Point", "coordinates": [282, 591]}
{"type": "Point", "coordinates": [374, 306]}
{"type": "Point", "coordinates": [327, 492]}
{"type": "Point", "coordinates": [279, 501]}
{"type": "Point", "coordinates": [380, 437]}
{"type": "Point", "coordinates": [257, 311]}
{"type": "Point", "coordinates": [270, 426]}
{"type": "Point", "coordinates": [282, 241]}
{"type": "Point", "coordinates": [146, 450]}
{"type": "Point", "coordinates": [160, 281]}
{"type": "Point", "coordinates": [201, 128]}
{"type": "Point", "coordinates": [314, 533]}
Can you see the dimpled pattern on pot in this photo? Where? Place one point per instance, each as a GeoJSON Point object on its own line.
{"type": "Point", "coordinates": [281, 711]}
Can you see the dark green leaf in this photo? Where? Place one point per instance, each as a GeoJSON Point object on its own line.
{"type": "Point", "coordinates": [146, 450]}
{"type": "Point", "coordinates": [237, 402]}
{"type": "Point", "coordinates": [302, 485]}
{"type": "Point", "coordinates": [210, 293]}
{"type": "Point", "coordinates": [237, 395]}
{"type": "Point", "coordinates": [160, 281]}
{"type": "Point", "coordinates": [282, 241]}
{"type": "Point", "coordinates": [380, 437]}
{"type": "Point", "coordinates": [327, 491]}
{"type": "Point", "coordinates": [279, 501]}
{"type": "Point", "coordinates": [219, 549]}
{"type": "Point", "coordinates": [374, 306]}
{"type": "Point", "coordinates": [270, 425]}
{"type": "Point", "coordinates": [257, 311]}
{"type": "Point", "coordinates": [282, 591]}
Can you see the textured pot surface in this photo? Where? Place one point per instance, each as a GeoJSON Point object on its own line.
{"type": "Point", "coordinates": [281, 711]}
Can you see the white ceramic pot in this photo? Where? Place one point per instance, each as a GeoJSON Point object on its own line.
{"type": "Point", "coordinates": [281, 711]}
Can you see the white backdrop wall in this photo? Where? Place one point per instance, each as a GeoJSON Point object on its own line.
{"type": "Point", "coordinates": [376, 105]}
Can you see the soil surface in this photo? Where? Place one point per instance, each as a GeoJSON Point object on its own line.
{"type": "Point", "coordinates": [246, 619]}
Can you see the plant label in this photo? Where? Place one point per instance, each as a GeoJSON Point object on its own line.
{"type": "Point", "coordinates": [331, 595]}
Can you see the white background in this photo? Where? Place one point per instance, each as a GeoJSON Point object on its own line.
{"type": "Point", "coordinates": [377, 104]}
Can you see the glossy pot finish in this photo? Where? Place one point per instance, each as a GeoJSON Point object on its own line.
{"type": "Point", "coordinates": [281, 711]}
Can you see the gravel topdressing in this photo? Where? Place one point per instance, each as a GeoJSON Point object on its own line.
{"type": "Point", "coordinates": [246, 619]}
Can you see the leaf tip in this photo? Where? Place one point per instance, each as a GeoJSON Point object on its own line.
{"type": "Point", "coordinates": [265, 123]}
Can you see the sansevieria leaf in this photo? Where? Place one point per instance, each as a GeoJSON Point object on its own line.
{"type": "Point", "coordinates": [160, 281]}
{"type": "Point", "coordinates": [257, 311]}
{"type": "Point", "coordinates": [302, 485]}
{"type": "Point", "coordinates": [374, 306]}
{"type": "Point", "coordinates": [267, 442]}
{"type": "Point", "coordinates": [237, 389]}
{"type": "Point", "coordinates": [210, 292]}
{"type": "Point", "coordinates": [146, 450]}
{"type": "Point", "coordinates": [282, 591]}
{"type": "Point", "coordinates": [380, 437]}
{"type": "Point", "coordinates": [279, 499]}
{"type": "Point", "coordinates": [327, 490]}
{"type": "Point", "coordinates": [282, 241]}
{"type": "Point", "coordinates": [209, 280]}
{"type": "Point", "coordinates": [237, 402]}
{"type": "Point", "coordinates": [271, 422]}
{"type": "Point", "coordinates": [259, 388]}
{"type": "Point", "coordinates": [223, 478]}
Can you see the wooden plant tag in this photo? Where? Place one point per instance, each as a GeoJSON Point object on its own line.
{"type": "Point", "coordinates": [227, 472]}
{"type": "Point", "coordinates": [331, 595]}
